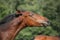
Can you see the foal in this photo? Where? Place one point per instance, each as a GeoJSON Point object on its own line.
{"type": "Point", "coordinates": [44, 37]}
{"type": "Point", "coordinates": [12, 24]}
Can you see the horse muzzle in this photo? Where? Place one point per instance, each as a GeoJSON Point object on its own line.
{"type": "Point", "coordinates": [47, 23]}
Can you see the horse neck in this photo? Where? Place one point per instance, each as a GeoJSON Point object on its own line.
{"type": "Point", "coordinates": [14, 27]}
{"type": "Point", "coordinates": [18, 23]}
{"type": "Point", "coordinates": [18, 27]}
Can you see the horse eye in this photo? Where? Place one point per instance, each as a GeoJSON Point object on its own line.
{"type": "Point", "coordinates": [31, 14]}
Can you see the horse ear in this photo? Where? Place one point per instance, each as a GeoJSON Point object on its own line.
{"type": "Point", "coordinates": [19, 12]}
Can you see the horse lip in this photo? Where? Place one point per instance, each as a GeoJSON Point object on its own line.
{"type": "Point", "coordinates": [46, 24]}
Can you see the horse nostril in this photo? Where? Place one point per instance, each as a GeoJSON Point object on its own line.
{"type": "Point", "coordinates": [48, 22]}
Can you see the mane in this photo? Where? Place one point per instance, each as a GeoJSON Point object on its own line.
{"type": "Point", "coordinates": [8, 18]}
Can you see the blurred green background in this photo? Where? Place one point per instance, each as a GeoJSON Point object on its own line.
{"type": "Point", "coordinates": [47, 8]}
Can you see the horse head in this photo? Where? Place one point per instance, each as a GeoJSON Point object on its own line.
{"type": "Point", "coordinates": [34, 19]}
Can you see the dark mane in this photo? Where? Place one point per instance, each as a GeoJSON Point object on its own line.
{"type": "Point", "coordinates": [9, 17]}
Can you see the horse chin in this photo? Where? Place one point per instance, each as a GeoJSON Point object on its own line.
{"type": "Point", "coordinates": [45, 25]}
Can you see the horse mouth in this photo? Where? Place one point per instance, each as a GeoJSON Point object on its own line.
{"type": "Point", "coordinates": [46, 23]}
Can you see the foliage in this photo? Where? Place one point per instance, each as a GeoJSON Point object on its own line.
{"type": "Point", "coordinates": [47, 8]}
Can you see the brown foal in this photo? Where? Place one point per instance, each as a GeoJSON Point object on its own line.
{"type": "Point", "coordinates": [12, 24]}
